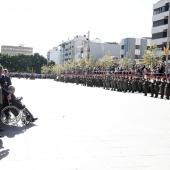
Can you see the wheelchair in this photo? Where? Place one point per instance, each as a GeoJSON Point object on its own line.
{"type": "Point", "coordinates": [16, 117]}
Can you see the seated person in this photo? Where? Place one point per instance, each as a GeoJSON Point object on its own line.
{"type": "Point", "coordinates": [16, 101]}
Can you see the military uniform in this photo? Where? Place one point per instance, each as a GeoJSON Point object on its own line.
{"type": "Point", "coordinates": [156, 87]}
{"type": "Point", "coordinates": [167, 89]}
{"type": "Point", "coordinates": [162, 88]}
{"type": "Point", "coordinates": [145, 86]}
{"type": "Point", "coordinates": [151, 85]}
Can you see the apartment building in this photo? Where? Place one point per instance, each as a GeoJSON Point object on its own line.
{"type": "Point", "coordinates": [7, 49]}
{"type": "Point", "coordinates": [160, 24]}
{"type": "Point", "coordinates": [136, 46]}
{"type": "Point", "coordinates": [79, 47]}
{"type": "Point", "coordinates": [55, 55]}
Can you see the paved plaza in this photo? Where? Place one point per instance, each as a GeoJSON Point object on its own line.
{"type": "Point", "coordinates": [84, 128]}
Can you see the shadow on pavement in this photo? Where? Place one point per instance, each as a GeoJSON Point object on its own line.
{"type": "Point", "coordinates": [11, 131]}
{"type": "Point", "coordinates": [3, 153]}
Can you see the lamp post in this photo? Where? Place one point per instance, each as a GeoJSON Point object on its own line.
{"type": "Point", "coordinates": [88, 46]}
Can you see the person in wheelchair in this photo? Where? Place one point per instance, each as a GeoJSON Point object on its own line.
{"type": "Point", "coordinates": [16, 101]}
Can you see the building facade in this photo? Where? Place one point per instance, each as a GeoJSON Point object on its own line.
{"type": "Point", "coordinates": [160, 24]}
{"type": "Point", "coordinates": [135, 46]}
{"type": "Point", "coordinates": [99, 50]}
{"type": "Point", "coordinates": [6, 49]}
{"type": "Point", "coordinates": [79, 47]}
{"type": "Point", "coordinates": [55, 55]}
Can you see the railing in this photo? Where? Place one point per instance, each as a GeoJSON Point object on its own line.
{"type": "Point", "coordinates": [120, 73]}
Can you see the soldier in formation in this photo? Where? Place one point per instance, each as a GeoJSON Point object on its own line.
{"type": "Point", "coordinates": [153, 86]}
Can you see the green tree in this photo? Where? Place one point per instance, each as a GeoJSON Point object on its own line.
{"type": "Point", "coordinates": [51, 63]}
{"type": "Point", "coordinates": [151, 57]}
{"type": "Point", "coordinates": [57, 69]}
{"type": "Point", "coordinates": [91, 63]}
{"type": "Point", "coordinates": [82, 63]}
{"type": "Point", "coordinates": [22, 62]}
{"type": "Point", "coordinates": [45, 69]}
{"type": "Point", "coordinates": [37, 61]}
{"type": "Point", "coordinates": [107, 60]}
{"type": "Point", "coordinates": [126, 61]}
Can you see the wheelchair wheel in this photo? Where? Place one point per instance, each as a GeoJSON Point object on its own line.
{"type": "Point", "coordinates": [14, 115]}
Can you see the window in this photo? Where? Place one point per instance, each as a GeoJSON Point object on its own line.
{"type": "Point", "coordinates": [137, 56]}
{"type": "Point", "coordinates": [161, 9]}
{"type": "Point", "coordinates": [137, 47]}
{"type": "Point", "coordinates": [160, 22]}
{"type": "Point", "coordinates": [122, 47]}
{"type": "Point", "coordinates": [159, 35]}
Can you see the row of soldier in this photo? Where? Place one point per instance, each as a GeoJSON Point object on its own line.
{"type": "Point", "coordinates": [153, 86]}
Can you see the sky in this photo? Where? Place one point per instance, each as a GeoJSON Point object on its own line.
{"type": "Point", "coordinates": [43, 24]}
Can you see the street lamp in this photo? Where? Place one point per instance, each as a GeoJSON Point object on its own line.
{"type": "Point", "coordinates": [88, 46]}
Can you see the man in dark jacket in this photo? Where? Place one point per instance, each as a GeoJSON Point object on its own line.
{"type": "Point", "coordinates": [4, 94]}
{"type": "Point", "coordinates": [16, 101]}
{"type": "Point", "coordinates": [7, 79]}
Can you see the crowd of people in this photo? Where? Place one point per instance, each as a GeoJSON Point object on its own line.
{"type": "Point", "coordinates": [136, 69]}
{"type": "Point", "coordinates": [30, 75]}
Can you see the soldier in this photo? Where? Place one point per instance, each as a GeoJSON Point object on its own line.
{"type": "Point", "coordinates": [104, 82]}
{"type": "Point", "coordinates": [112, 83]}
{"type": "Point", "coordinates": [151, 85]}
{"type": "Point", "coordinates": [133, 85]}
{"type": "Point", "coordinates": [145, 86]}
{"type": "Point", "coordinates": [118, 84]}
{"type": "Point", "coordinates": [156, 87]}
{"type": "Point", "coordinates": [139, 83]}
{"type": "Point", "coordinates": [100, 81]}
{"type": "Point", "coordinates": [162, 87]}
{"type": "Point", "coordinates": [125, 84]}
{"type": "Point", "coordinates": [115, 83]}
{"type": "Point", "coordinates": [167, 89]}
{"type": "Point", "coordinates": [107, 83]}
{"type": "Point", "coordinates": [130, 84]}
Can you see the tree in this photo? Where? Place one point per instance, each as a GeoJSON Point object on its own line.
{"type": "Point", "coordinates": [82, 63]}
{"type": "Point", "coordinates": [57, 69]}
{"type": "Point", "coordinates": [151, 57]}
{"type": "Point", "coordinates": [126, 61]}
{"type": "Point", "coordinates": [22, 62]}
{"type": "Point", "coordinates": [45, 69]}
{"type": "Point", "coordinates": [107, 61]}
{"type": "Point", "coordinates": [51, 63]}
{"type": "Point", "coordinates": [91, 63]}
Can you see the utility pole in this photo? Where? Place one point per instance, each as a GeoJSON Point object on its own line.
{"type": "Point", "coordinates": [167, 44]}
{"type": "Point", "coordinates": [88, 46]}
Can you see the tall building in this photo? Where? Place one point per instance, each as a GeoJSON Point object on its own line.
{"type": "Point", "coordinates": [55, 55]}
{"type": "Point", "coordinates": [160, 24]}
{"type": "Point", "coordinates": [7, 49]}
{"type": "Point", "coordinates": [136, 46]}
{"type": "Point", "coordinates": [75, 49]}
{"type": "Point", "coordinates": [99, 50]}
